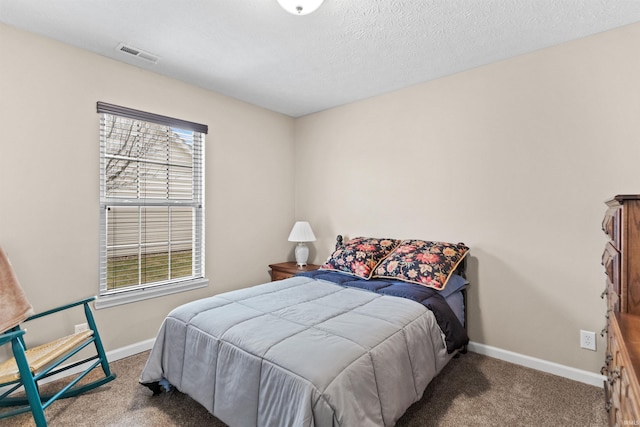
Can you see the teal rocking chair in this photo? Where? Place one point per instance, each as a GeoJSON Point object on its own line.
{"type": "Point", "coordinates": [20, 375]}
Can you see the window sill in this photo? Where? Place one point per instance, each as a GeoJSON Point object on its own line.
{"type": "Point", "coordinates": [112, 300]}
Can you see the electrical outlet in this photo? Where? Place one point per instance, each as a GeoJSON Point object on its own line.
{"type": "Point", "coordinates": [588, 340]}
{"type": "Point", "coordinates": [81, 327]}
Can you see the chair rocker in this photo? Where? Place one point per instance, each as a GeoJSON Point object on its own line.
{"type": "Point", "coordinates": [30, 365]}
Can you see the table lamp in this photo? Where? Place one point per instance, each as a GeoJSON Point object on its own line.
{"type": "Point", "coordinates": [302, 233]}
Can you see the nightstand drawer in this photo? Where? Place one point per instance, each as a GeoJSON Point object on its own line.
{"type": "Point", "coordinates": [280, 275]}
{"type": "Point", "coordinates": [285, 270]}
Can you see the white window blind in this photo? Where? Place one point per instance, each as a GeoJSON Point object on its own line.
{"type": "Point", "coordinates": [151, 203]}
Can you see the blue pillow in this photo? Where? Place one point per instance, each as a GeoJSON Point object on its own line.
{"type": "Point", "coordinates": [454, 284]}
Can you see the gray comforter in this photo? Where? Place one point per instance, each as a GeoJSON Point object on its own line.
{"type": "Point", "coordinates": [300, 352]}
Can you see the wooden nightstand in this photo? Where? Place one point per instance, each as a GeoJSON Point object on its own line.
{"type": "Point", "coordinates": [284, 270]}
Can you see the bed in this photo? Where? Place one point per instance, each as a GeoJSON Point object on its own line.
{"type": "Point", "coordinates": [353, 343]}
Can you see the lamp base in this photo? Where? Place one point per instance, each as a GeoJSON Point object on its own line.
{"type": "Point", "coordinates": [302, 254]}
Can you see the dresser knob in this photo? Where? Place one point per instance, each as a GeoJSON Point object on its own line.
{"type": "Point", "coordinates": [605, 368]}
{"type": "Point", "coordinates": [614, 376]}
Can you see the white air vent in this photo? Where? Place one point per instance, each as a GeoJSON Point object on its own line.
{"type": "Point", "coordinates": [134, 51]}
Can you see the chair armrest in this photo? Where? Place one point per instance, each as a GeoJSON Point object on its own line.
{"type": "Point", "coordinates": [61, 308]}
{"type": "Point", "coordinates": [8, 336]}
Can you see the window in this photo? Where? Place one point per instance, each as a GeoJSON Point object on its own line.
{"type": "Point", "coordinates": [151, 205]}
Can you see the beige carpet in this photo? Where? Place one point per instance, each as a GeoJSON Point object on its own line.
{"type": "Point", "coordinates": [473, 390]}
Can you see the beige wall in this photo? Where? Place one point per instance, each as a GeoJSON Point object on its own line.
{"type": "Point", "coordinates": [515, 159]}
{"type": "Point", "coordinates": [49, 178]}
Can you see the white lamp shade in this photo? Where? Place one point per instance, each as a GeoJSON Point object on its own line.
{"type": "Point", "coordinates": [302, 232]}
{"type": "Point", "coordinates": [300, 7]}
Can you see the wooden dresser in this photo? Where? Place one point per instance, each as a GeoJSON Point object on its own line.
{"type": "Point", "coordinates": [621, 259]}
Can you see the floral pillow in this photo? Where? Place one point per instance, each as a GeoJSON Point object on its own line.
{"type": "Point", "coordinates": [360, 256]}
{"type": "Point", "coordinates": [425, 263]}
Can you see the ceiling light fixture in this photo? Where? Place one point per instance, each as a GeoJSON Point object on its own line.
{"type": "Point", "coordinates": [300, 7]}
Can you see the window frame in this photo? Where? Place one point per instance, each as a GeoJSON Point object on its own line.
{"type": "Point", "coordinates": [132, 293]}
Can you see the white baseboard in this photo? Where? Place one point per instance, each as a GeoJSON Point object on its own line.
{"type": "Point", "coordinates": [130, 350]}
{"type": "Point", "coordinates": [539, 364]}
{"type": "Point", "coordinates": [487, 350]}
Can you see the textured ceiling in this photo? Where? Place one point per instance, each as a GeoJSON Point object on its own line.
{"type": "Point", "coordinates": [345, 51]}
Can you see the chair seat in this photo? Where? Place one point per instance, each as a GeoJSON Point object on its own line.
{"type": "Point", "coordinates": [43, 355]}
{"type": "Point", "coordinates": [46, 360]}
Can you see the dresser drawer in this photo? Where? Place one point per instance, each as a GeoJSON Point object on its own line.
{"type": "Point", "coordinates": [613, 299]}
{"type": "Point", "coordinates": [611, 225]}
{"type": "Point", "coordinates": [622, 388]}
{"type": "Point", "coordinates": [628, 410]}
{"type": "Point", "coordinates": [612, 372]}
{"type": "Point", "coordinates": [611, 263]}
